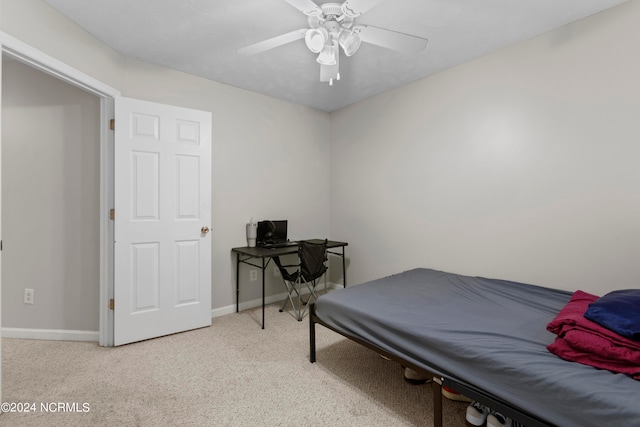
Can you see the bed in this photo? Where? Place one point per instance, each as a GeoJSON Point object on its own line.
{"type": "Point", "coordinates": [486, 338]}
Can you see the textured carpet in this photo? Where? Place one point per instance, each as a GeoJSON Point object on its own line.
{"type": "Point", "coordinates": [230, 374]}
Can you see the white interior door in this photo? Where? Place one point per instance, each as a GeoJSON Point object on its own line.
{"type": "Point", "coordinates": [162, 200]}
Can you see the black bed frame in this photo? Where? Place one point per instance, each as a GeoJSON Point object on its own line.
{"type": "Point", "coordinates": [446, 379]}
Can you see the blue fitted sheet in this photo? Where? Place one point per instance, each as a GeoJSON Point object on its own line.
{"type": "Point", "coordinates": [488, 333]}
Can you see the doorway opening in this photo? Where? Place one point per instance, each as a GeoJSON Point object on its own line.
{"type": "Point", "coordinates": [50, 206]}
{"type": "Point", "coordinates": [27, 55]}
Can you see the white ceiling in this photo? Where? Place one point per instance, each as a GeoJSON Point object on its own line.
{"type": "Point", "coordinates": [201, 37]}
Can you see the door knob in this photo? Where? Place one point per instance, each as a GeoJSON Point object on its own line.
{"type": "Point", "coordinates": [204, 230]}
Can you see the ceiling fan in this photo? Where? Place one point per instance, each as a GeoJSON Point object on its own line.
{"type": "Point", "coordinates": [332, 26]}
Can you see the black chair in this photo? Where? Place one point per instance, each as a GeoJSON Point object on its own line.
{"type": "Point", "coordinates": [311, 266]}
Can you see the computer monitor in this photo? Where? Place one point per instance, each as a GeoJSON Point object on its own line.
{"type": "Point", "coordinates": [271, 232]}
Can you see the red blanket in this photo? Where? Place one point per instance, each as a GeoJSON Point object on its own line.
{"type": "Point", "coordinates": [583, 341]}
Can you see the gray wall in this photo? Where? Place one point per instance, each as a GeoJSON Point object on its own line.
{"type": "Point", "coordinates": [50, 201]}
{"type": "Point", "coordinates": [520, 165]}
{"type": "Point", "coordinates": [253, 136]}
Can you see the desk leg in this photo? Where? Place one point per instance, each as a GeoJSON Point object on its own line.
{"type": "Point", "coordinates": [263, 268]}
{"type": "Point", "coordinates": [312, 333]}
{"type": "Point", "coordinates": [344, 269]}
{"type": "Point", "coordinates": [237, 282]}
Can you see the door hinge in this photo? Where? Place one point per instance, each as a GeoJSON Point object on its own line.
{"type": "Point", "coordinates": [112, 304]}
{"type": "Point", "coordinates": [112, 214]}
{"type": "Point", "coordinates": [112, 124]}
{"type": "Point", "coordinates": [0, 245]}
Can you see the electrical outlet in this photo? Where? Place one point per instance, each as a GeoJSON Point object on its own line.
{"type": "Point", "coordinates": [253, 275]}
{"type": "Point", "coordinates": [29, 296]}
{"type": "Point", "coordinates": [276, 271]}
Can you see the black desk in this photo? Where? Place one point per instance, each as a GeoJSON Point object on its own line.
{"type": "Point", "coordinates": [246, 254]}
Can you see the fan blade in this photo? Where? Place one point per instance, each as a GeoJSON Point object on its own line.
{"type": "Point", "coordinates": [273, 42]}
{"type": "Point", "coordinates": [307, 7]}
{"type": "Point", "coordinates": [391, 39]}
{"type": "Point", "coordinates": [360, 6]}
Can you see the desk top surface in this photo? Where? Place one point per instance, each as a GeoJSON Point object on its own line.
{"type": "Point", "coordinates": [260, 252]}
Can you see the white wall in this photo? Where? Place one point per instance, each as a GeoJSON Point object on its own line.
{"type": "Point", "coordinates": [0, 219]}
{"type": "Point", "coordinates": [254, 138]}
{"type": "Point", "coordinates": [520, 165]}
{"type": "Point", "coordinates": [50, 200]}
{"type": "Point", "coordinates": [270, 161]}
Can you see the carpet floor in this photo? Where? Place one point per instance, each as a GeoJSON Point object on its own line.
{"type": "Point", "coordinates": [230, 374]}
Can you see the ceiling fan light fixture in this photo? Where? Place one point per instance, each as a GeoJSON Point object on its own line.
{"type": "Point", "coordinates": [349, 41]}
{"type": "Point", "coordinates": [316, 38]}
{"type": "Point", "coordinates": [329, 54]}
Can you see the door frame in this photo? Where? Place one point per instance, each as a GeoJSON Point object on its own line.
{"type": "Point", "coordinates": [39, 60]}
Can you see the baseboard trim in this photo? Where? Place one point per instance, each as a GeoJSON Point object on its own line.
{"type": "Point", "coordinates": [50, 334]}
{"type": "Point", "coordinates": [71, 335]}
{"type": "Point", "coordinates": [269, 299]}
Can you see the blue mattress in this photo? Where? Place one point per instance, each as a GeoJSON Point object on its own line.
{"type": "Point", "coordinates": [490, 334]}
